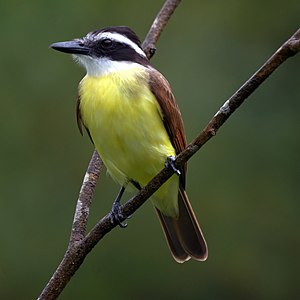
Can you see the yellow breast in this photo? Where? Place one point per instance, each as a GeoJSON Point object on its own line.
{"type": "Point", "coordinates": [125, 123]}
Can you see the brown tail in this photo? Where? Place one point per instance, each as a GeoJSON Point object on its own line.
{"type": "Point", "coordinates": [184, 236]}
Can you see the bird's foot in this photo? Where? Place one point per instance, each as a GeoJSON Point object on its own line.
{"type": "Point", "coordinates": [115, 215]}
{"type": "Point", "coordinates": [170, 164]}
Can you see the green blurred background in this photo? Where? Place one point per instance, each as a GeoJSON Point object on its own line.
{"type": "Point", "coordinates": [244, 184]}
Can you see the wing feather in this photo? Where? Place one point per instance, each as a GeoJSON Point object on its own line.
{"type": "Point", "coordinates": [79, 120]}
{"type": "Point", "coordinates": [78, 116]}
{"type": "Point", "coordinates": [170, 113]}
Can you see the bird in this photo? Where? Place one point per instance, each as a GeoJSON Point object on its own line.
{"type": "Point", "coordinates": [130, 114]}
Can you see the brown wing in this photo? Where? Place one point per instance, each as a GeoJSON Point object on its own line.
{"type": "Point", "coordinates": [183, 234]}
{"type": "Point", "coordinates": [170, 113]}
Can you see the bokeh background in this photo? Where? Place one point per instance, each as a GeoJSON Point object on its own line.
{"type": "Point", "coordinates": [244, 184]}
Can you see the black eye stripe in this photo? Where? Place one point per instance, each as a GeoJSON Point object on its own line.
{"type": "Point", "coordinates": [116, 51]}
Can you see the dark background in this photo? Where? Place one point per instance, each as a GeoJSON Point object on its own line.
{"type": "Point", "coordinates": [244, 184]}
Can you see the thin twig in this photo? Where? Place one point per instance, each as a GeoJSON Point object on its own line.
{"type": "Point", "coordinates": [158, 26]}
{"type": "Point", "coordinates": [84, 201]}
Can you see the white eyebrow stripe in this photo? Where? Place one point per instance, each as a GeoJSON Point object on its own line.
{"type": "Point", "coordinates": [122, 39]}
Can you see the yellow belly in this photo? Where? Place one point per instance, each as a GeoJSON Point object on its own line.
{"type": "Point", "coordinates": [125, 123]}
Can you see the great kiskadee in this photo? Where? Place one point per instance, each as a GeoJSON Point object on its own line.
{"type": "Point", "coordinates": [131, 116]}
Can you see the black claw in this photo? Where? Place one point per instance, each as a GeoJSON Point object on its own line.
{"type": "Point", "coordinates": [170, 163]}
{"type": "Point", "coordinates": [115, 214]}
{"type": "Point", "coordinates": [115, 217]}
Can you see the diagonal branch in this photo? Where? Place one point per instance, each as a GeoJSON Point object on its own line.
{"type": "Point", "coordinates": [290, 48]}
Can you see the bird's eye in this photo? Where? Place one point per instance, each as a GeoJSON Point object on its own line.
{"type": "Point", "coordinates": [107, 43]}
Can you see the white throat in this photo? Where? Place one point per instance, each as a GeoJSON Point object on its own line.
{"type": "Point", "coordinates": [98, 67]}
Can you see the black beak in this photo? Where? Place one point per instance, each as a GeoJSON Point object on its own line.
{"type": "Point", "coordinates": [72, 47]}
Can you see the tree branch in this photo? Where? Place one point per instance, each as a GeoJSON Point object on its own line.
{"type": "Point", "coordinates": [290, 48]}
{"type": "Point", "coordinates": [158, 26]}
{"type": "Point", "coordinates": [84, 201]}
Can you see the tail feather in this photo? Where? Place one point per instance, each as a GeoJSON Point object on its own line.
{"type": "Point", "coordinates": [183, 234]}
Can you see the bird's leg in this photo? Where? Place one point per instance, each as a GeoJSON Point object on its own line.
{"type": "Point", "coordinates": [170, 164]}
{"type": "Point", "coordinates": [115, 211]}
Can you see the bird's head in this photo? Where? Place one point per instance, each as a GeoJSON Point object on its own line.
{"type": "Point", "coordinates": [105, 50]}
